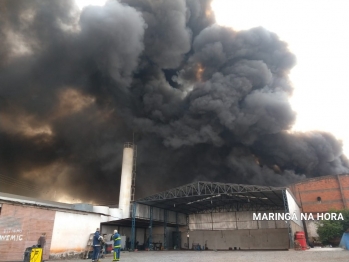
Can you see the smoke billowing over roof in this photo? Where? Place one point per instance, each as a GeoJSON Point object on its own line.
{"type": "Point", "coordinates": [204, 102]}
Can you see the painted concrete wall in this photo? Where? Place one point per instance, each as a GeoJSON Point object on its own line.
{"type": "Point", "coordinates": [143, 211]}
{"type": "Point", "coordinates": [232, 220]}
{"type": "Point", "coordinates": [239, 230]}
{"type": "Point", "coordinates": [102, 210]}
{"type": "Point", "coordinates": [21, 227]}
{"type": "Point", "coordinates": [294, 209]}
{"type": "Point", "coordinates": [114, 214]}
{"type": "Point", "coordinates": [245, 239]}
{"type": "Point", "coordinates": [159, 237]}
{"type": "Point", "coordinates": [71, 232]}
{"type": "Point", "coordinates": [312, 229]}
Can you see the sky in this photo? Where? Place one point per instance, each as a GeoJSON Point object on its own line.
{"type": "Point", "coordinates": [316, 32]}
{"type": "Point", "coordinates": [202, 101]}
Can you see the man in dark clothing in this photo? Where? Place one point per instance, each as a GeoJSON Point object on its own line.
{"type": "Point", "coordinates": [42, 240]}
{"type": "Point", "coordinates": [41, 243]}
{"type": "Point", "coordinates": [117, 245]}
{"type": "Point", "coordinates": [96, 245]}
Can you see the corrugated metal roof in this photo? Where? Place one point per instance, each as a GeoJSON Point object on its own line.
{"type": "Point", "coordinates": [33, 201]}
{"type": "Point", "coordinates": [76, 207]}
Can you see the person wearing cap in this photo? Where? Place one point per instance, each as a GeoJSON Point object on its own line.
{"type": "Point", "coordinates": [96, 245]}
{"type": "Point", "coordinates": [117, 245]}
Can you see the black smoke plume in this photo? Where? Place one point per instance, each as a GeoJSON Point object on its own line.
{"type": "Point", "coordinates": [201, 101]}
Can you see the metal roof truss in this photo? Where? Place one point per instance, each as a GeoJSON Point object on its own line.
{"type": "Point", "coordinates": [204, 197]}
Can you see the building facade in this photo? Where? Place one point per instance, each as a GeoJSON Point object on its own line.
{"type": "Point", "coordinates": [23, 220]}
{"type": "Point", "coordinates": [321, 195]}
{"type": "Point", "coordinates": [206, 214]}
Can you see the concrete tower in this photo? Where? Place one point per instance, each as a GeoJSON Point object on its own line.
{"type": "Point", "coordinates": [126, 179]}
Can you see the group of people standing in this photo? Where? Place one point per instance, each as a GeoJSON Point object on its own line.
{"type": "Point", "coordinates": [98, 241]}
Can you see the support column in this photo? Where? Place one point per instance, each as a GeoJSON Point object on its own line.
{"type": "Point", "coordinates": [188, 231]}
{"type": "Point", "coordinates": [165, 229]}
{"type": "Point", "coordinates": [133, 229]}
{"type": "Point", "coordinates": [177, 232]}
{"type": "Point", "coordinates": [150, 244]}
{"type": "Point", "coordinates": [290, 236]}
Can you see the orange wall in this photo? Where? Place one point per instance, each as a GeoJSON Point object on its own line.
{"type": "Point", "coordinates": [333, 190]}
{"type": "Point", "coordinates": [21, 227]}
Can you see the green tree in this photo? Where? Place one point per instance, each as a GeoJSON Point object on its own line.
{"type": "Point", "coordinates": [331, 229]}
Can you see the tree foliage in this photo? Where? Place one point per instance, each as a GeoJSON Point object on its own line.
{"type": "Point", "coordinates": [331, 229]}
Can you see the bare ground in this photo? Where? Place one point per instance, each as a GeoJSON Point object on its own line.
{"type": "Point", "coordinates": [326, 255]}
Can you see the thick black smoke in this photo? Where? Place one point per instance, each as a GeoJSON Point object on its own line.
{"type": "Point", "coordinates": [202, 102]}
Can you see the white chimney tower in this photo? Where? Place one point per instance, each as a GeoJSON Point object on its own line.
{"type": "Point", "coordinates": [126, 179]}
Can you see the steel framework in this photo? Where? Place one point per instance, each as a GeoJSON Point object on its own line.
{"type": "Point", "coordinates": [133, 228]}
{"type": "Point", "coordinates": [208, 188]}
{"type": "Point", "coordinates": [165, 229]}
{"type": "Point", "coordinates": [177, 232]}
{"type": "Point", "coordinates": [209, 197]}
{"type": "Point", "coordinates": [150, 245]}
{"type": "Point", "coordinates": [134, 173]}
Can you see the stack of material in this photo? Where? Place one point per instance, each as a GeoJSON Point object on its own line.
{"type": "Point", "coordinates": [297, 245]}
{"type": "Point", "coordinates": [88, 248]}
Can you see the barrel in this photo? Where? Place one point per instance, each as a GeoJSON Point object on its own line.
{"type": "Point", "coordinates": [300, 236]}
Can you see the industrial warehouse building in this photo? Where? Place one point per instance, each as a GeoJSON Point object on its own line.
{"type": "Point", "coordinates": [200, 215]}
{"type": "Point", "coordinates": [205, 214]}
{"type": "Point", "coordinates": [220, 216]}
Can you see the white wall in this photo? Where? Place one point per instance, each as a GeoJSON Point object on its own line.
{"type": "Point", "coordinates": [115, 214]}
{"type": "Point", "coordinates": [245, 239]}
{"type": "Point", "coordinates": [71, 232]}
{"type": "Point", "coordinates": [233, 221]}
{"type": "Point", "coordinates": [294, 208]}
{"type": "Point", "coordinates": [312, 228]}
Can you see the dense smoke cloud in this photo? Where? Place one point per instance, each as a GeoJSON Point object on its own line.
{"type": "Point", "coordinates": [201, 101]}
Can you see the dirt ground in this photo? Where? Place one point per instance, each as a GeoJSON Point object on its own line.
{"type": "Point", "coordinates": [326, 255]}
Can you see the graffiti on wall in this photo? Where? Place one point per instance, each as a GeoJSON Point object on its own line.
{"type": "Point", "coordinates": [11, 234]}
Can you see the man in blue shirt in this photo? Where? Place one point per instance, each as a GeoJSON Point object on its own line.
{"type": "Point", "coordinates": [96, 245]}
{"type": "Point", "coordinates": [117, 245]}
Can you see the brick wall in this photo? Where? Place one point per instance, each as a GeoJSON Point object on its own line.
{"type": "Point", "coordinates": [333, 191]}
{"type": "Point", "coordinates": [21, 227]}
